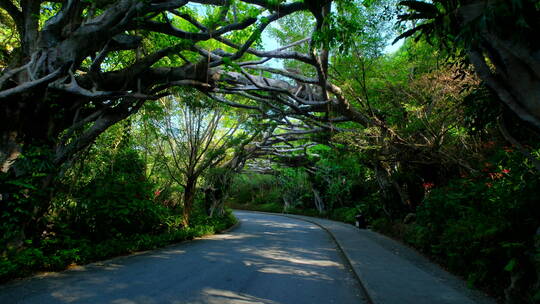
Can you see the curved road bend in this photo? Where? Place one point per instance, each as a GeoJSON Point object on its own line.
{"type": "Point", "coordinates": [267, 259]}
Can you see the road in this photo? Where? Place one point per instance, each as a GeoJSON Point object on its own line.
{"type": "Point", "coordinates": [267, 259]}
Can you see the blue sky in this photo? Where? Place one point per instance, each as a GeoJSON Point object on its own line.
{"type": "Point", "coordinates": [269, 43]}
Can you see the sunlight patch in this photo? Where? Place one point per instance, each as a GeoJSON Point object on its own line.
{"type": "Point", "coordinates": [281, 255]}
{"type": "Point", "coordinates": [219, 296]}
{"type": "Point", "coordinates": [294, 271]}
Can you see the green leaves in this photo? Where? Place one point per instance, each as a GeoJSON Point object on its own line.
{"type": "Point", "coordinates": [338, 32]}
{"type": "Point", "coordinates": [22, 184]}
{"type": "Point", "coordinates": [231, 64]}
{"type": "Point", "coordinates": [423, 28]}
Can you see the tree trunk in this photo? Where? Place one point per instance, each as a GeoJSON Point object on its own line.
{"type": "Point", "coordinates": [385, 184]}
{"type": "Point", "coordinates": [189, 198]}
{"type": "Point", "coordinates": [319, 204]}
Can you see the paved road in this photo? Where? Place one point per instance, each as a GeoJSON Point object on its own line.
{"type": "Point", "coordinates": [267, 259]}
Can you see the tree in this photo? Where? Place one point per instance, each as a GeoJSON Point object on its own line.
{"type": "Point", "coordinates": [75, 68]}
{"type": "Point", "coordinates": [194, 139]}
{"type": "Point", "coordinates": [497, 37]}
{"type": "Point", "coordinates": [78, 67]}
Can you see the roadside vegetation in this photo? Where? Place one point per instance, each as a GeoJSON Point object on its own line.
{"type": "Point", "coordinates": [115, 199]}
{"type": "Point", "coordinates": [128, 125]}
{"type": "Point", "coordinates": [450, 177]}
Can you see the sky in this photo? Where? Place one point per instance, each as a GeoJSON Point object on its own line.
{"type": "Point", "coordinates": [391, 48]}
{"type": "Point", "coordinates": [269, 43]}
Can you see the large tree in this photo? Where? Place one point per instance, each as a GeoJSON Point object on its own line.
{"type": "Point", "coordinates": [71, 69]}
{"type": "Point", "coordinates": [195, 139]}
{"type": "Point", "coordinates": [498, 37]}
{"type": "Point", "coordinates": [78, 67]}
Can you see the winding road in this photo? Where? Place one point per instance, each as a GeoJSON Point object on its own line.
{"type": "Point", "coordinates": [267, 259]}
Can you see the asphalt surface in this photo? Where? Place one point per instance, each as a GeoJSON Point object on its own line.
{"type": "Point", "coordinates": [392, 273]}
{"type": "Point", "coordinates": [267, 259]}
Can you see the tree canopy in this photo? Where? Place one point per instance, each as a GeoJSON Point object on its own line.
{"type": "Point", "coordinates": [141, 120]}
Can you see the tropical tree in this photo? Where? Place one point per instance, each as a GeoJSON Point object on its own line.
{"type": "Point", "coordinates": [72, 69]}
{"type": "Point", "coordinates": [194, 139]}
{"type": "Point", "coordinates": [77, 67]}
{"type": "Point", "coordinates": [497, 37]}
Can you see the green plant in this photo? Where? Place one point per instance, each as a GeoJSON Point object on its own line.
{"type": "Point", "coordinates": [25, 196]}
{"type": "Point", "coordinates": [117, 201]}
{"type": "Point", "coordinates": [255, 189]}
{"type": "Point", "coordinates": [57, 253]}
{"type": "Point", "coordinates": [484, 226]}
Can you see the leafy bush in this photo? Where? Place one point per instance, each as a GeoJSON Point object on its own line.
{"type": "Point", "coordinates": [344, 214]}
{"type": "Point", "coordinates": [341, 178]}
{"type": "Point", "coordinates": [23, 197]}
{"type": "Point", "coordinates": [255, 189]}
{"type": "Point", "coordinates": [269, 193]}
{"type": "Point", "coordinates": [295, 188]}
{"type": "Point", "coordinates": [116, 202]}
{"type": "Point", "coordinates": [484, 227]}
{"type": "Point", "coordinates": [59, 253]}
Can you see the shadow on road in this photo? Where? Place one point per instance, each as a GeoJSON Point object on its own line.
{"type": "Point", "coordinates": [267, 259]}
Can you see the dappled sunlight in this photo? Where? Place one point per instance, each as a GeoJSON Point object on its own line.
{"type": "Point", "coordinates": [117, 286]}
{"type": "Point", "coordinates": [236, 267]}
{"type": "Point", "coordinates": [229, 236]}
{"type": "Point", "coordinates": [281, 225]}
{"type": "Point", "coordinates": [71, 296]}
{"type": "Point", "coordinates": [286, 256]}
{"type": "Point", "coordinates": [275, 224]}
{"type": "Point", "coordinates": [175, 251]}
{"type": "Point", "coordinates": [288, 270]}
{"type": "Point", "coordinates": [111, 266]}
{"type": "Point", "coordinates": [219, 296]}
{"type": "Point", "coordinates": [305, 251]}
{"type": "Point", "coordinates": [166, 254]}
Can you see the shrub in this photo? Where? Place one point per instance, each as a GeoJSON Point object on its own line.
{"type": "Point", "coordinates": [117, 202]}
{"type": "Point", "coordinates": [484, 226]}
{"type": "Point", "coordinates": [58, 253]}
{"type": "Point", "coordinates": [344, 214]}
{"type": "Point", "coordinates": [255, 189]}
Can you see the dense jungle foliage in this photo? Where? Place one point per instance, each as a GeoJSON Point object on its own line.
{"type": "Point", "coordinates": [128, 125]}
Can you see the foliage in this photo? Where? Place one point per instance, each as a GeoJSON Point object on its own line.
{"type": "Point", "coordinates": [354, 25]}
{"type": "Point", "coordinates": [490, 36]}
{"type": "Point", "coordinates": [60, 252]}
{"type": "Point", "coordinates": [195, 137]}
{"type": "Point", "coordinates": [340, 177]}
{"type": "Point", "coordinates": [23, 194]}
{"type": "Point", "coordinates": [295, 188]}
{"type": "Point", "coordinates": [103, 206]}
{"type": "Point", "coordinates": [436, 126]}
{"type": "Point", "coordinates": [440, 20]}
{"type": "Point", "coordinates": [482, 226]}
{"type": "Point", "coordinates": [256, 190]}
{"type": "Point", "coordinates": [117, 201]}
{"type": "Point", "coordinates": [344, 214]}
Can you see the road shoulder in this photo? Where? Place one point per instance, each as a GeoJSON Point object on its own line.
{"type": "Point", "coordinates": [391, 272]}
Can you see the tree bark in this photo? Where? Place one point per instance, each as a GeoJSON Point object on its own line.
{"type": "Point", "coordinates": [189, 199]}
